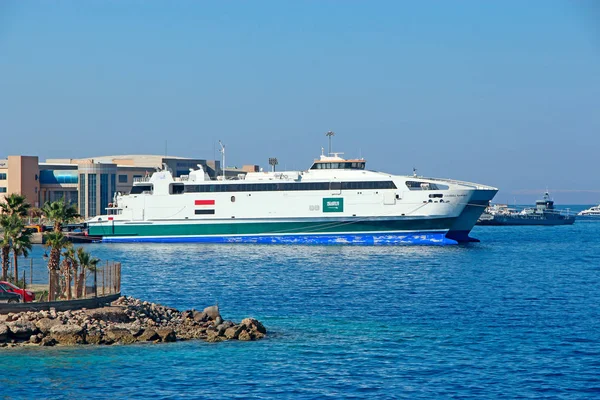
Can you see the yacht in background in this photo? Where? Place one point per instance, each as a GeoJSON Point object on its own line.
{"type": "Point", "coordinates": [590, 212]}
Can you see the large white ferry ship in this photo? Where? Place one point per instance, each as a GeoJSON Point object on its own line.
{"type": "Point", "coordinates": [336, 201]}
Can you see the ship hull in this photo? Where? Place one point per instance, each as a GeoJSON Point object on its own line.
{"type": "Point", "coordinates": [369, 239]}
{"type": "Point", "coordinates": [460, 230]}
{"type": "Point", "coordinates": [322, 231]}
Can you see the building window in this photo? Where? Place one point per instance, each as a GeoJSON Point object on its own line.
{"type": "Point", "coordinates": [113, 186]}
{"type": "Point", "coordinates": [82, 194]}
{"type": "Point", "coordinates": [2, 189]}
{"type": "Point", "coordinates": [71, 197]}
{"type": "Point", "coordinates": [2, 177]}
{"type": "Point", "coordinates": [57, 196]}
{"type": "Point", "coordinates": [103, 192]}
{"type": "Point", "coordinates": [91, 195]}
{"type": "Point", "coordinates": [57, 177]}
{"type": "Point", "coordinates": [122, 178]}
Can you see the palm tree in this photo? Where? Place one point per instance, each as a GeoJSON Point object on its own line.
{"type": "Point", "coordinates": [5, 243]}
{"type": "Point", "coordinates": [21, 245]}
{"type": "Point", "coordinates": [86, 261]}
{"type": "Point", "coordinates": [69, 265]}
{"type": "Point", "coordinates": [60, 213]}
{"type": "Point", "coordinates": [56, 241]}
{"type": "Point", "coordinates": [15, 204]}
{"type": "Point", "coordinates": [12, 209]}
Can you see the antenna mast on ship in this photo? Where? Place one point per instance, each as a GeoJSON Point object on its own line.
{"type": "Point", "coordinates": [222, 151]}
{"type": "Point", "coordinates": [329, 135]}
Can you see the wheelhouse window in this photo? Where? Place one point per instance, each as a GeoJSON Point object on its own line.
{"type": "Point", "coordinates": [177, 188]}
{"type": "Point", "coordinates": [339, 165]}
{"type": "Point", "coordinates": [139, 189]}
{"type": "Point", "coordinates": [415, 185]}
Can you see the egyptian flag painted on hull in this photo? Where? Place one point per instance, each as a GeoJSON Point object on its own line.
{"type": "Point", "coordinates": [204, 207]}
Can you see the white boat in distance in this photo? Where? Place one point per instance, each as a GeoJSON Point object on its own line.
{"type": "Point", "coordinates": [335, 201]}
{"type": "Point", "coordinates": [590, 212]}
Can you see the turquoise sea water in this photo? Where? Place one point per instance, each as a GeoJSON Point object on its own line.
{"type": "Point", "coordinates": [517, 315]}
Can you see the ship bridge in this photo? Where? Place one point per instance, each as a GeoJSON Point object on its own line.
{"type": "Point", "coordinates": [337, 162]}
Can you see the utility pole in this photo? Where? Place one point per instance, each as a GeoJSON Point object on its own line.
{"type": "Point", "coordinates": [329, 135]}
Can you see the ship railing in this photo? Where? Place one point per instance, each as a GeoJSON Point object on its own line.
{"type": "Point", "coordinates": [464, 183]}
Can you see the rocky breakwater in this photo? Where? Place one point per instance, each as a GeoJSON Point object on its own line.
{"type": "Point", "coordinates": [127, 320]}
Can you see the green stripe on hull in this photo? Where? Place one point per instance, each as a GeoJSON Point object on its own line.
{"type": "Point", "coordinates": [262, 228]}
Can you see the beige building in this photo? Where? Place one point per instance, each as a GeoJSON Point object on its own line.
{"type": "Point", "coordinates": [20, 174]}
{"type": "Point", "coordinates": [91, 183]}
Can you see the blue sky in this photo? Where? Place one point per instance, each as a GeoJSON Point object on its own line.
{"type": "Point", "coordinates": [505, 93]}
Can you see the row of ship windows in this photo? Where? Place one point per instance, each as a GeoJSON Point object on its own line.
{"type": "Point", "coordinates": [178, 188]}
{"type": "Point", "coordinates": [284, 186]}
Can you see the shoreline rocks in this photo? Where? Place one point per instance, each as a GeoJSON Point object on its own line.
{"type": "Point", "coordinates": [125, 321]}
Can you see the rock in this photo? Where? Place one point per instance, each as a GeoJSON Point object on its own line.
{"type": "Point", "coordinates": [120, 334]}
{"type": "Point", "coordinates": [244, 336]}
{"type": "Point", "coordinates": [68, 334]}
{"type": "Point", "coordinates": [149, 335]}
{"type": "Point", "coordinates": [221, 330]}
{"type": "Point", "coordinates": [111, 314]}
{"type": "Point", "coordinates": [166, 334]}
{"type": "Point", "coordinates": [191, 333]}
{"type": "Point", "coordinates": [128, 320]}
{"type": "Point", "coordinates": [47, 341]}
{"type": "Point", "coordinates": [256, 335]}
{"type": "Point", "coordinates": [233, 332]}
{"type": "Point", "coordinates": [4, 331]}
{"type": "Point", "coordinates": [228, 324]}
{"type": "Point", "coordinates": [212, 312]}
{"type": "Point", "coordinates": [199, 316]}
{"type": "Point", "coordinates": [213, 336]}
{"type": "Point", "coordinates": [45, 324]}
{"type": "Point", "coordinates": [253, 324]}
{"type": "Point", "coordinates": [22, 330]}
{"type": "Point", "coordinates": [93, 337]}
{"type": "Point", "coordinates": [134, 328]}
